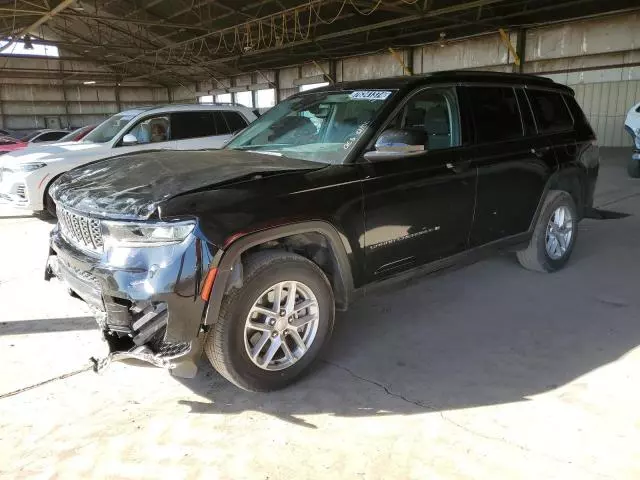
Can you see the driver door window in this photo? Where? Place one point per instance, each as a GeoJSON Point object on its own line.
{"type": "Point", "coordinates": [435, 112]}
{"type": "Point", "coordinates": [152, 130]}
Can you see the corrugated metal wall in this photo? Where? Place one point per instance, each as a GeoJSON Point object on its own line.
{"type": "Point", "coordinates": [598, 57]}
{"type": "Point", "coordinates": [606, 105]}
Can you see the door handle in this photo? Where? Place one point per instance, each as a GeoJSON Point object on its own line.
{"type": "Point", "coordinates": [540, 152]}
{"type": "Point", "coordinates": [459, 166]}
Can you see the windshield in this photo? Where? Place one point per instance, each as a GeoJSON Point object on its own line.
{"type": "Point", "coordinates": [69, 137]}
{"type": "Point", "coordinates": [317, 126]}
{"type": "Point", "coordinates": [110, 128]}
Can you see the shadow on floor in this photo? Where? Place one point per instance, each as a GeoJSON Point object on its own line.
{"type": "Point", "coordinates": [12, 217]}
{"type": "Point", "coordinates": [47, 325]}
{"type": "Point", "coordinates": [486, 334]}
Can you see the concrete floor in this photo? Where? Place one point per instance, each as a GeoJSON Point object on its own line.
{"type": "Point", "coordinates": [488, 371]}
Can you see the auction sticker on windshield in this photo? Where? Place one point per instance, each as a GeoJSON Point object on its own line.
{"type": "Point", "coordinates": [369, 95]}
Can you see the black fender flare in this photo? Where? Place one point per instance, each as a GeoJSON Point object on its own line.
{"type": "Point", "coordinates": [228, 257]}
{"type": "Point", "coordinates": [569, 180]}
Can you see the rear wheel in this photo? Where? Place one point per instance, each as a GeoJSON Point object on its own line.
{"type": "Point", "coordinates": [633, 168]}
{"type": "Point", "coordinates": [554, 235]}
{"type": "Point", "coordinates": [271, 329]}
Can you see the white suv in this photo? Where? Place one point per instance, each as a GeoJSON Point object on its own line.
{"type": "Point", "coordinates": [25, 176]}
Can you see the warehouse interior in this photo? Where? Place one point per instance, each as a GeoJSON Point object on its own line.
{"type": "Point", "coordinates": [90, 60]}
{"type": "Point", "coordinates": [482, 370]}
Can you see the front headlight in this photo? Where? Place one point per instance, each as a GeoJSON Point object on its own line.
{"type": "Point", "coordinates": [151, 234]}
{"type": "Point", "coordinates": [28, 167]}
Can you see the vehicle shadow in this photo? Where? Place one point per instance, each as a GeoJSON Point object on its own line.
{"type": "Point", "coordinates": [486, 334]}
{"type": "Point", "coordinates": [47, 325]}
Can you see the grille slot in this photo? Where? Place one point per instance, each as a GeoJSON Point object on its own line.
{"type": "Point", "coordinates": [20, 191]}
{"type": "Point", "coordinates": [83, 232]}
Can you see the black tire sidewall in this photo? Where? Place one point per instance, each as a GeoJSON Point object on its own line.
{"type": "Point", "coordinates": [239, 362]}
{"type": "Point", "coordinates": [633, 168]}
{"type": "Point", "coordinates": [49, 205]}
{"type": "Point", "coordinates": [561, 199]}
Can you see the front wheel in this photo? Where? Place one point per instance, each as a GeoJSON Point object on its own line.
{"type": "Point", "coordinates": [553, 236]}
{"type": "Point", "coordinates": [633, 168]}
{"type": "Point", "coordinates": [271, 329]}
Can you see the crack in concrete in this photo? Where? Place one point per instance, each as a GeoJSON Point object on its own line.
{"type": "Point", "coordinates": [616, 200]}
{"type": "Point", "coordinates": [417, 403]}
{"type": "Point", "coordinates": [450, 421]}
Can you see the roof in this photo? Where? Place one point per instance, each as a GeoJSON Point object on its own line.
{"type": "Point", "coordinates": [451, 76]}
{"type": "Point", "coordinates": [187, 107]}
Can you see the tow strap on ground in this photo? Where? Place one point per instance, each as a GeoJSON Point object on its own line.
{"type": "Point", "coordinates": [88, 367]}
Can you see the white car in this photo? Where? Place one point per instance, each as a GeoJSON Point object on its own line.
{"type": "Point", "coordinates": [25, 176]}
{"type": "Point", "coordinates": [632, 125]}
{"type": "Point", "coordinates": [40, 137]}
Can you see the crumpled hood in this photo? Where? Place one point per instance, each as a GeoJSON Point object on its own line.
{"type": "Point", "coordinates": [132, 186]}
{"type": "Point", "coordinates": [52, 153]}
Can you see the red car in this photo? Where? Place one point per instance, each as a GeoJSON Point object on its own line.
{"type": "Point", "coordinates": [10, 144]}
{"type": "Point", "coordinates": [78, 134]}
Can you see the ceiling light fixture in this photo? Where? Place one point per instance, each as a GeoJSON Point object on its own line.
{"type": "Point", "coordinates": [89, 82]}
{"type": "Point", "coordinates": [443, 36]}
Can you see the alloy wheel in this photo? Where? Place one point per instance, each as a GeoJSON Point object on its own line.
{"type": "Point", "coordinates": [281, 325]}
{"type": "Point", "coordinates": [559, 233]}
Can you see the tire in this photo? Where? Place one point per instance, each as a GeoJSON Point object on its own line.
{"type": "Point", "coordinates": [227, 342]}
{"type": "Point", "coordinates": [633, 168]}
{"type": "Point", "coordinates": [536, 256]}
{"type": "Point", "coordinates": [49, 204]}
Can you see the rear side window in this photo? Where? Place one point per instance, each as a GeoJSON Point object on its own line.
{"type": "Point", "coordinates": [495, 113]}
{"type": "Point", "coordinates": [50, 136]}
{"type": "Point", "coordinates": [192, 125]}
{"type": "Point", "coordinates": [235, 121]}
{"type": "Point", "coordinates": [550, 111]}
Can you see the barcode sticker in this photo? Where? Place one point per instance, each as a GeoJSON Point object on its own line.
{"type": "Point", "coordinates": [369, 95]}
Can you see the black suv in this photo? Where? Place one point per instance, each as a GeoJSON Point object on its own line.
{"type": "Point", "coordinates": [247, 251]}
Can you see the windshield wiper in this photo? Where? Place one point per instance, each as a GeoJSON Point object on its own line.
{"type": "Point", "coordinates": [257, 147]}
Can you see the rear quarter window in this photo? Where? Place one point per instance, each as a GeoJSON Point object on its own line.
{"type": "Point", "coordinates": [550, 111]}
{"type": "Point", "coordinates": [234, 120]}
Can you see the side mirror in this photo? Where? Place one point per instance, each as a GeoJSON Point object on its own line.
{"type": "Point", "coordinates": [129, 139]}
{"type": "Point", "coordinates": [397, 143]}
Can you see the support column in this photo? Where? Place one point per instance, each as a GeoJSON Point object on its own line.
{"type": "Point", "coordinates": [117, 92]}
{"type": "Point", "coordinates": [2, 122]}
{"type": "Point", "coordinates": [254, 93]}
{"type": "Point", "coordinates": [276, 78]}
{"type": "Point", "coordinates": [521, 49]}
{"type": "Point", "coordinates": [410, 60]}
{"type": "Point", "coordinates": [64, 96]}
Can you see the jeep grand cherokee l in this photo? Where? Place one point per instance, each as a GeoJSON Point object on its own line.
{"type": "Point", "coordinates": [246, 252]}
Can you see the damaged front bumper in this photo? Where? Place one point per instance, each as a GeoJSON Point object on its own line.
{"type": "Point", "coordinates": [146, 300]}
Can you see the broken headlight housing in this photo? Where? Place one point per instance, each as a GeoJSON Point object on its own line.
{"type": "Point", "coordinates": [145, 234]}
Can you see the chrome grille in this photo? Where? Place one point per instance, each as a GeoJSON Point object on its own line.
{"type": "Point", "coordinates": [83, 232]}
